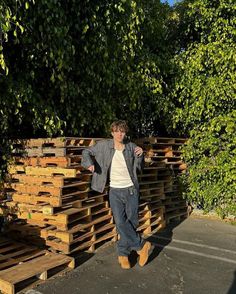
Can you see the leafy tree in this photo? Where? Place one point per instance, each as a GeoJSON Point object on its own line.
{"type": "Point", "coordinates": [204, 97]}
{"type": "Point", "coordinates": [75, 67]}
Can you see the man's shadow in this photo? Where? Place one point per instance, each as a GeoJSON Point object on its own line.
{"type": "Point", "coordinates": [159, 241]}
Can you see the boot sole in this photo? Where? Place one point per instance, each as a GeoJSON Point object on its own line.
{"type": "Point", "coordinates": [146, 259]}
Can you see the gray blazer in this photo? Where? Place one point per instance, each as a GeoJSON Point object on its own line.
{"type": "Point", "coordinates": [103, 153]}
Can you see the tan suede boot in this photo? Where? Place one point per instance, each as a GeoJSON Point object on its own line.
{"type": "Point", "coordinates": [124, 262]}
{"type": "Point", "coordinates": [143, 253]}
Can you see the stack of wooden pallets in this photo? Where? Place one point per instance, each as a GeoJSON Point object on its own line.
{"type": "Point", "coordinates": [159, 179]}
{"type": "Point", "coordinates": [52, 195]}
{"type": "Point", "coordinates": [51, 191]}
{"type": "Point", "coordinates": [21, 265]}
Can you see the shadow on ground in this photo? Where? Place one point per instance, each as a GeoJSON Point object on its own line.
{"type": "Point", "coordinates": [232, 289]}
{"type": "Point", "coordinates": [159, 241]}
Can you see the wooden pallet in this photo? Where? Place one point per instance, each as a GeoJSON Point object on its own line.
{"type": "Point", "coordinates": [152, 163]}
{"type": "Point", "coordinates": [68, 218]}
{"type": "Point", "coordinates": [145, 226]}
{"type": "Point", "coordinates": [54, 181]}
{"type": "Point", "coordinates": [47, 190]}
{"type": "Point", "coordinates": [40, 267]}
{"type": "Point", "coordinates": [161, 140]}
{"type": "Point", "coordinates": [20, 236]}
{"type": "Point", "coordinates": [45, 171]}
{"type": "Point", "coordinates": [155, 218]}
{"type": "Point", "coordinates": [154, 189]}
{"type": "Point", "coordinates": [46, 209]}
{"type": "Point", "coordinates": [16, 169]}
{"type": "Point", "coordinates": [86, 241]}
{"type": "Point", "coordinates": [23, 228]}
{"type": "Point", "coordinates": [77, 199]}
{"type": "Point", "coordinates": [153, 197]}
{"type": "Point", "coordinates": [12, 252]}
{"type": "Point", "coordinates": [64, 161]}
{"type": "Point", "coordinates": [51, 151]}
{"type": "Point", "coordinates": [165, 159]}
{"type": "Point", "coordinates": [36, 200]}
{"type": "Point", "coordinates": [52, 171]}
{"type": "Point", "coordinates": [32, 208]}
{"type": "Point", "coordinates": [55, 142]}
{"type": "Point", "coordinates": [150, 213]}
{"type": "Point", "coordinates": [156, 183]}
{"type": "Point", "coordinates": [154, 227]}
{"type": "Point", "coordinates": [148, 205]}
{"type": "Point", "coordinates": [76, 232]}
{"type": "Point", "coordinates": [177, 215]}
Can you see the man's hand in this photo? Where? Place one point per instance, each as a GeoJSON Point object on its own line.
{"type": "Point", "coordinates": [138, 151]}
{"type": "Point", "coordinates": [91, 168]}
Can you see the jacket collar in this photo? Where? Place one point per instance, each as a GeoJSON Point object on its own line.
{"type": "Point", "coordinates": [111, 144]}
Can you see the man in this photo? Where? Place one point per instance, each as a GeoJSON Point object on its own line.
{"type": "Point", "coordinates": [120, 160]}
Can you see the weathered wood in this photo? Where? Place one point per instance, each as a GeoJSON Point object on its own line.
{"type": "Point", "coordinates": [39, 267]}
{"type": "Point", "coordinates": [65, 219]}
{"type": "Point", "coordinates": [63, 161]}
{"type": "Point", "coordinates": [52, 171]}
{"type": "Point", "coordinates": [50, 190]}
{"type": "Point", "coordinates": [55, 181]}
{"type": "Point", "coordinates": [61, 142]}
{"type": "Point", "coordinates": [86, 240]}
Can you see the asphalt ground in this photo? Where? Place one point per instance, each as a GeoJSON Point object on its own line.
{"type": "Point", "coordinates": [195, 256]}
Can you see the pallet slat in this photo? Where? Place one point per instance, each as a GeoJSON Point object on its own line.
{"type": "Point", "coordinates": [39, 266]}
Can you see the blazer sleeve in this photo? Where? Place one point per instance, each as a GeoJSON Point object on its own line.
{"type": "Point", "coordinates": [87, 155]}
{"type": "Point", "coordinates": [138, 160]}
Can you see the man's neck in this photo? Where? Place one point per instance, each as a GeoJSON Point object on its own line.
{"type": "Point", "coordinates": [118, 145]}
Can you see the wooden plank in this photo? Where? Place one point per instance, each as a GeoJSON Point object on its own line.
{"type": "Point", "coordinates": [67, 161]}
{"type": "Point", "coordinates": [13, 252]}
{"type": "Point", "coordinates": [61, 218]}
{"type": "Point", "coordinates": [62, 142]}
{"type": "Point", "coordinates": [36, 190]}
{"type": "Point", "coordinates": [77, 199]}
{"type": "Point", "coordinates": [75, 232]}
{"type": "Point", "coordinates": [45, 171]}
{"type": "Point", "coordinates": [32, 199]}
{"type": "Point", "coordinates": [16, 169]}
{"type": "Point", "coordinates": [85, 202]}
{"type": "Point", "coordinates": [87, 239]}
{"type": "Point", "coordinates": [63, 161]}
{"type": "Point", "coordinates": [53, 152]}
{"type": "Point", "coordinates": [26, 207]}
{"type": "Point", "coordinates": [50, 190]}
{"type": "Point", "coordinates": [65, 219]}
{"type": "Point", "coordinates": [55, 181]}
{"type": "Point", "coordinates": [161, 140]}
{"type": "Point", "coordinates": [21, 258]}
{"type": "Point", "coordinates": [23, 228]}
{"type": "Point", "coordinates": [9, 278]}
{"type": "Point", "coordinates": [52, 171]}
{"type": "Point", "coordinates": [45, 151]}
{"type": "Point", "coordinates": [81, 223]}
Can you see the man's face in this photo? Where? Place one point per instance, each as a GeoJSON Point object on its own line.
{"type": "Point", "coordinates": [118, 135]}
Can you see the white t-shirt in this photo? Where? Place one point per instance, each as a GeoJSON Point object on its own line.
{"type": "Point", "coordinates": [119, 176]}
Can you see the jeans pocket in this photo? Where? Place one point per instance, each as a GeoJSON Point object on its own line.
{"type": "Point", "coordinates": [133, 191]}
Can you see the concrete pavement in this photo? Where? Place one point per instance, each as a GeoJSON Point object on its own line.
{"type": "Point", "coordinates": [196, 256]}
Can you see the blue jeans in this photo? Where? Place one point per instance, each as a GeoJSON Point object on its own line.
{"type": "Point", "coordinates": [124, 204]}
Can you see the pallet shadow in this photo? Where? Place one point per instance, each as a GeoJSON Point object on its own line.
{"type": "Point", "coordinates": [232, 289]}
{"type": "Point", "coordinates": [162, 239]}
{"type": "Point", "coordinates": [159, 241]}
